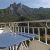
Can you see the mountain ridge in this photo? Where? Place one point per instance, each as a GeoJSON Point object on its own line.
{"type": "Point", "coordinates": [20, 12]}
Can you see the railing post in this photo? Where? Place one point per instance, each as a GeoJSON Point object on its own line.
{"type": "Point", "coordinates": [39, 33]}
{"type": "Point", "coordinates": [21, 29]}
{"type": "Point", "coordinates": [28, 27]}
{"type": "Point", "coordinates": [5, 25]}
{"type": "Point", "coordinates": [46, 35]}
{"type": "Point", "coordinates": [13, 28]}
{"type": "Point", "coordinates": [10, 26]}
{"type": "Point", "coordinates": [18, 29]}
{"type": "Point", "coordinates": [24, 29]}
{"type": "Point", "coordinates": [33, 33]}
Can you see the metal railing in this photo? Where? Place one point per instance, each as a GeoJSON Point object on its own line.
{"type": "Point", "coordinates": [15, 27]}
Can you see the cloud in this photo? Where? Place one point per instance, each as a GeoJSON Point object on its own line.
{"type": "Point", "coordinates": [30, 3]}
{"type": "Point", "coordinates": [42, 3]}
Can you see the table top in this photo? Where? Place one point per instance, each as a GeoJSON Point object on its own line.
{"type": "Point", "coordinates": [8, 39]}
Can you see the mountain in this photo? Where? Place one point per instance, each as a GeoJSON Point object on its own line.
{"type": "Point", "coordinates": [20, 9]}
{"type": "Point", "coordinates": [20, 12]}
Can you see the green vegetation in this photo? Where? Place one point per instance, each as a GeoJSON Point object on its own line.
{"type": "Point", "coordinates": [23, 14]}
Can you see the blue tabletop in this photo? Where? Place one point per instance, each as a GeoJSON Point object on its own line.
{"type": "Point", "coordinates": [8, 39]}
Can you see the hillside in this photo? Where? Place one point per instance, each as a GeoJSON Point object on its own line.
{"type": "Point", "coordinates": [20, 12]}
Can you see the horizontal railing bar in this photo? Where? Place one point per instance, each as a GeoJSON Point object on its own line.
{"type": "Point", "coordinates": [32, 27]}
{"type": "Point", "coordinates": [33, 21]}
{"type": "Point", "coordinates": [37, 27]}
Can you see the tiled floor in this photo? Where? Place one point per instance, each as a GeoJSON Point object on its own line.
{"type": "Point", "coordinates": [37, 45]}
{"type": "Point", "coordinates": [34, 45]}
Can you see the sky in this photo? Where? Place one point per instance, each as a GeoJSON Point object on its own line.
{"type": "Point", "coordinates": [29, 3]}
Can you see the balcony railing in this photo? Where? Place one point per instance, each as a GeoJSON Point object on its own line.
{"type": "Point", "coordinates": [25, 27]}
